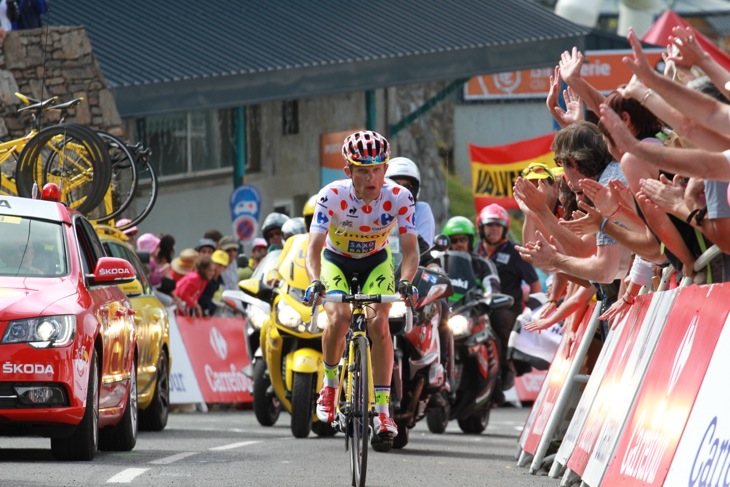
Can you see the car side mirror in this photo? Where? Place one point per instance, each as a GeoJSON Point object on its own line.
{"type": "Point", "coordinates": [112, 270]}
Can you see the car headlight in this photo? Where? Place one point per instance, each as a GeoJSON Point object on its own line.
{"type": "Point", "coordinates": [257, 317]}
{"type": "Point", "coordinates": [459, 325]}
{"type": "Point", "coordinates": [397, 310]}
{"type": "Point", "coordinates": [42, 332]}
{"type": "Point", "coordinates": [288, 316]}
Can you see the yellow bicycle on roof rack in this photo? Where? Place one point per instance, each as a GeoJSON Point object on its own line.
{"type": "Point", "coordinates": [71, 155]}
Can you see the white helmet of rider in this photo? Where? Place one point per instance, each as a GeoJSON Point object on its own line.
{"type": "Point", "coordinates": [293, 226]}
{"type": "Point", "coordinates": [404, 168]}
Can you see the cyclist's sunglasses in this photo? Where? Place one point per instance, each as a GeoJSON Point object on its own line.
{"type": "Point", "coordinates": [369, 161]}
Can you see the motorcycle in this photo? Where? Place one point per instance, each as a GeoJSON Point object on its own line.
{"type": "Point", "coordinates": [477, 363]}
{"type": "Point", "coordinates": [287, 366]}
{"type": "Point", "coordinates": [419, 376]}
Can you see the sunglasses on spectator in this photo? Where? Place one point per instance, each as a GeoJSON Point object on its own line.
{"type": "Point", "coordinates": [462, 238]}
{"type": "Point", "coordinates": [538, 170]}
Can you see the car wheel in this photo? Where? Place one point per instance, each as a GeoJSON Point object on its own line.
{"type": "Point", "coordinates": [154, 418]}
{"type": "Point", "coordinates": [123, 436]}
{"type": "Point", "coordinates": [84, 442]}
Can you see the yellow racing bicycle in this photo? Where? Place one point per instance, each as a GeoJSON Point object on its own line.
{"type": "Point", "coordinates": [355, 408]}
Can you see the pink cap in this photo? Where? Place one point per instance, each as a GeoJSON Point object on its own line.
{"type": "Point", "coordinates": [147, 242]}
{"type": "Point", "coordinates": [259, 242]}
{"type": "Point", "coordinates": [124, 222]}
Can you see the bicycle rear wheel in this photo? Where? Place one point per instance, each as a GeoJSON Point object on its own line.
{"type": "Point", "coordinates": [123, 184]}
{"type": "Point", "coordinates": [145, 195]}
{"type": "Point", "coordinates": [70, 155]}
{"type": "Point", "coordinates": [358, 436]}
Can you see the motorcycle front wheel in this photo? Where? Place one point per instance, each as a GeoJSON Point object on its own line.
{"type": "Point", "coordinates": [302, 400]}
{"type": "Point", "coordinates": [437, 419]}
{"type": "Point", "coordinates": [476, 423]}
{"type": "Point", "coordinates": [266, 406]}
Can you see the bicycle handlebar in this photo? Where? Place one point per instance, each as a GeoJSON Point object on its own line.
{"type": "Point", "coordinates": [364, 299]}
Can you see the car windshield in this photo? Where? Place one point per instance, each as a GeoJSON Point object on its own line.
{"type": "Point", "coordinates": [31, 247]}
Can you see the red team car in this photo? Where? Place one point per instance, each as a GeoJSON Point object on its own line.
{"type": "Point", "coordinates": [68, 348]}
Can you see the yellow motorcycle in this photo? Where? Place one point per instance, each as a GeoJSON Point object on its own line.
{"type": "Point", "coordinates": [291, 351]}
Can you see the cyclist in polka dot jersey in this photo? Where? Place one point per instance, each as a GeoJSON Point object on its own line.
{"type": "Point", "coordinates": [348, 235]}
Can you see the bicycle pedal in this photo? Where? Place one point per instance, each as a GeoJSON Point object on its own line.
{"type": "Point", "coordinates": [381, 444]}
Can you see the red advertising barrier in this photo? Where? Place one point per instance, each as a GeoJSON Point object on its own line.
{"type": "Point", "coordinates": [675, 373]}
{"type": "Point", "coordinates": [217, 353]}
{"type": "Point", "coordinates": [614, 380]}
{"type": "Point", "coordinates": [528, 385]}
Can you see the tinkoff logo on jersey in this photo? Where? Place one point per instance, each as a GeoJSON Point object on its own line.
{"type": "Point", "coordinates": [358, 247]}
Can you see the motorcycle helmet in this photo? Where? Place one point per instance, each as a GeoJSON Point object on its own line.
{"type": "Point", "coordinates": [404, 168]}
{"type": "Point", "coordinates": [273, 221]}
{"type": "Point", "coordinates": [460, 225]}
{"type": "Point", "coordinates": [293, 226]}
{"type": "Point", "coordinates": [366, 148]}
{"type": "Point", "coordinates": [308, 211]}
{"type": "Point", "coordinates": [493, 213]}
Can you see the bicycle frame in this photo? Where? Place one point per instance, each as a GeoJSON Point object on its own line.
{"type": "Point", "coordinates": [358, 328]}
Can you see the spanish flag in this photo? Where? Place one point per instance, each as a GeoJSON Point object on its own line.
{"type": "Point", "coordinates": [495, 169]}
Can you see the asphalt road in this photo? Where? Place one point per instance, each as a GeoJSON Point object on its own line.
{"type": "Point", "coordinates": [227, 448]}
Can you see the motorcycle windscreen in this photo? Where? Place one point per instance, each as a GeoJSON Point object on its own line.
{"type": "Point", "coordinates": [431, 285]}
{"type": "Point", "coordinates": [458, 266]}
{"type": "Point", "coordinates": [266, 265]}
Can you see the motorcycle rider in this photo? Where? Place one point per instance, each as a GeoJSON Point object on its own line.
{"type": "Point", "coordinates": [349, 234]}
{"type": "Point", "coordinates": [494, 223]}
{"type": "Point", "coordinates": [271, 230]}
{"type": "Point", "coordinates": [405, 172]}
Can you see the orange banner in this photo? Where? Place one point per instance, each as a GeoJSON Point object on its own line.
{"type": "Point", "coordinates": [602, 69]}
{"type": "Point", "coordinates": [495, 169]}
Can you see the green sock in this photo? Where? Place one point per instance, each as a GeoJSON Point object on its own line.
{"type": "Point", "coordinates": [330, 375]}
{"type": "Point", "coordinates": [382, 399]}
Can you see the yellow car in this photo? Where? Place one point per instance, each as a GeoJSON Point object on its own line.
{"type": "Point", "coordinates": [153, 335]}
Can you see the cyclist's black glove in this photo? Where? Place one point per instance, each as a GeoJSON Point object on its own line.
{"type": "Point", "coordinates": [405, 288]}
{"type": "Point", "coordinates": [314, 290]}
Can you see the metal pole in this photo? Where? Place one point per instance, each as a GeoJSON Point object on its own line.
{"type": "Point", "coordinates": [557, 415]}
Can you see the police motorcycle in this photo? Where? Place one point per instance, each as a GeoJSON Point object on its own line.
{"type": "Point", "coordinates": [476, 345]}
{"type": "Point", "coordinates": [419, 376]}
{"type": "Point", "coordinates": [287, 361]}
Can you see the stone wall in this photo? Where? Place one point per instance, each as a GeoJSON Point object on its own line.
{"type": "Point", "coordinates": [428, 141]}
{"type": "Point", "coordinates": [53, 61]}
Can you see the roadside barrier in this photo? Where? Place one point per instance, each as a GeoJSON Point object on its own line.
{"type": "Point", "coordinates": [654, 410]}
{"type": "Point", "coordinates": [208, 355]}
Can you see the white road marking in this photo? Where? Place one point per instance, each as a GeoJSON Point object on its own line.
{"type": "Point", "coordinates": [126, 476]}
{"type": "Point", "coordinates": [234, 445]}
{"type": "Point", "coordinates": [174, 458]}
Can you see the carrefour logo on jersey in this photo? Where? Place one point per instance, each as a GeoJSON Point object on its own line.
{"type": "Point", "coordinates": [357, 247]}
{"type": "Point", "coordinates": [322, 218]}
{"type": "Point", "coordinates": [385, 219]}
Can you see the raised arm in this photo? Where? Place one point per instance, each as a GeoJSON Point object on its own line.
{"type": "Point", "coordinates": [705, 109]}
{"type": "Point", "coordinates": [570, 66]}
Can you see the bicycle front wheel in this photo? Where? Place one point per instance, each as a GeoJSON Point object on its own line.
{"type": "Point", "coordinates": [70, 155]}
{"type": "Point", "coordinates": [360, 420]}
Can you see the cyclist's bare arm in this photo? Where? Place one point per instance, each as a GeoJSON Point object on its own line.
{"type": "Point", "coordinates": [409, 266]}
{"type": "Point", "coordinates": [314, 254]}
